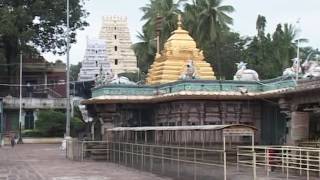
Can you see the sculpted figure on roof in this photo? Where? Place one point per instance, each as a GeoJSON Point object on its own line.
{"type": "Point", "coordinates": [190, 71]}
{"type": "Point", "coordinates": [311, 68]}
{"type": "Point", "coordinates": [244, 74]}
{"type": "Point", "coordinates": [292, 71]}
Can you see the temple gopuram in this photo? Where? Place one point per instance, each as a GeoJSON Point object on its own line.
{"type": "Point", "coordinates": [181, 90]}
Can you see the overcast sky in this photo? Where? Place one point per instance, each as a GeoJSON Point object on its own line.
{"type": "Point", "coordinates": [275, 11]}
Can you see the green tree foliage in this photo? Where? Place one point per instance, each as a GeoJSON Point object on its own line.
{"type": "Point", "coordinates": [52, 124]}
{"type": "Point", "coordinates": [74, 71]}
{"type": "Point", "coordinates": [168, 10]}
{"type": "Point", "coordinates": [208, 22]}
{"type": "Point", "coordinates": [270, 54]}
{"type": "Point", "coordinates": [145, 50]}
{"type": "Point", "coordinates": [38, 24]}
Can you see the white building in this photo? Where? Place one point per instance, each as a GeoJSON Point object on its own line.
{"type": "Point", "coordinates": [116, 33]}
{"type": "Point", "coordinates": [94, 59]}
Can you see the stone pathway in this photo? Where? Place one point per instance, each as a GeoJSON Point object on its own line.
{"type": "Point", "coordinates": [47, 162]}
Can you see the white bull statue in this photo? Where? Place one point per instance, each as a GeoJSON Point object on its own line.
{"type": "Point", "coordinates": [244, 74]}
{"type": "Point", "coordinates": [311, 69]}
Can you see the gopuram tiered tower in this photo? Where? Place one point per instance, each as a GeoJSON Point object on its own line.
{"type": "Point", "coordinates": [179, 50]}
{"type": "Point", "coordinates": [94, 59]}
{"type": "Point", "coordinates": [115, 32]}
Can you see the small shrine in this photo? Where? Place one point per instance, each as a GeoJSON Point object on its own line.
{"type": "Point", "coordinates": [173, 63]}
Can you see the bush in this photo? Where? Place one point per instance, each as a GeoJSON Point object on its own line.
{"type": "Point", "coordinates": [32, 133]}
{"type": "Point", "coordinates": [77, 126]}
{"type": "Point", "coordinates": [53, 123]}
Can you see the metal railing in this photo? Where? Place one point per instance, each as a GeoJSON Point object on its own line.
{"type": "Point", "coordinates": [172, 160]}
{"type": "Point", "coordinates": [290, 160]}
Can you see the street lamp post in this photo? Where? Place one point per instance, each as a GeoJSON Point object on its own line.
{"type": "Point", "coordinates": [20, 141]}
{"type": "Point", "coordinates": [298, 52]}
{"type": "Point", "coordinates": [68, 74]}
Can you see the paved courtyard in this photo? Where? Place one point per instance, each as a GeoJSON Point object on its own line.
{"type": "Point", "coordinates": [47, 162]}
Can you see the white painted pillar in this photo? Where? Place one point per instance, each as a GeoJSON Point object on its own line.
{"type": "Point", "coordinates": [35, 117]}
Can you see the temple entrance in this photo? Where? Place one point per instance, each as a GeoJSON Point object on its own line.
{"type": "Point", "coordinates": [314, 126]}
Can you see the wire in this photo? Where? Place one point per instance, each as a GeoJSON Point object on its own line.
{"type": "Point", "coordinates": [37, 85]}
{"type": "Point", "coordinates": [10, 64]}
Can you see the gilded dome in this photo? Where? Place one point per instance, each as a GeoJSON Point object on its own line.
{"type": "Point", "coordinates": [180, 39]}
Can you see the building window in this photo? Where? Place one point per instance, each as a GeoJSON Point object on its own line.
{"type": "Point", "coordinates": [115, 36]}
{"type": "Point", "coordinates": [116, 48]}
{"type": "Point", "coordinates": [116, 62]}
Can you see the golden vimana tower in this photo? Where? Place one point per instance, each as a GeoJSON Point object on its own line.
{"type": "Point", "coordinates": [179, 49]}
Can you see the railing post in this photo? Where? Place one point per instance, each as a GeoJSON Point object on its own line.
{"type": "Point", "coordinates": [282, 159]}
{"type": "Point", "coordinates": [238, 158]}
{"type": "Point", "coordinates": [162, 159]}
{"type": "Point", "coordinates": [142, 154]}
{"type": "Point", "coordinates": [300, 162]}
{"type": "Point", "coordinates": [178, 162]}
{"type": "Point", "coordinates": [151, 158]}
{"type": "Point", "coordinates": [319, 163]}
{"type": "Point", "coordinates": [132, 154]}
{"type": "Point", "coordinates": [308, 165]}
{"type": "Point", "coordinates": [287, 160]}
{"type": "Point", "coordinates": [267, 160]}
{"type": "Point", "coordinates": [82, 150]}
{"type": "Point", "coordinates": [194, 164]}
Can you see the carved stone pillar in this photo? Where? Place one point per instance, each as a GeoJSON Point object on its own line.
{"type": "Point", "coordinates": [298, 127]}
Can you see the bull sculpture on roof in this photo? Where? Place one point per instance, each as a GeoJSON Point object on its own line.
{"type": "Point", "coordinates": [244, 74]}
{"type": "Point", "coordinates": [109, 78]}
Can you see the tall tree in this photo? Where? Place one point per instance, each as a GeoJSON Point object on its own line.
{"type": "Point", "coordinates": [74, 71]}
{"type": "Point", "coordinates": [38, 24]}
{"type": "Point", "coordinates": [271, 54]}
{"type": "Point", "coordinates": [261, 25]}
{"type": "Point", "coordinates": [168, 10]}
{"type": "Point", "coordinates": [208, 21]}
{"type": "Point", "coordinates": [145, 49]}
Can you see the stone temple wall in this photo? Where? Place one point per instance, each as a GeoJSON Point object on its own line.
{"type": "Point", "coordinates": [191, 112]}
{"type": "Point", "coordinates": [209, 113]}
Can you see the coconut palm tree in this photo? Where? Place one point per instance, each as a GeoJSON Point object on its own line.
{"type": "Point", "coordinates": [145, 51]}
{"type": "Point", "coordinates": [208, 20]}
{"type": "Point", "coordinates": [168, 10]}
{"type": "Point", "coordinates": [209, 17]}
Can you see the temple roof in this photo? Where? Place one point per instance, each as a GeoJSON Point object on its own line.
{"type": "Point", "coordinates": [179, 50]}
{"type": "Point", "coordinates": [180, 39]}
